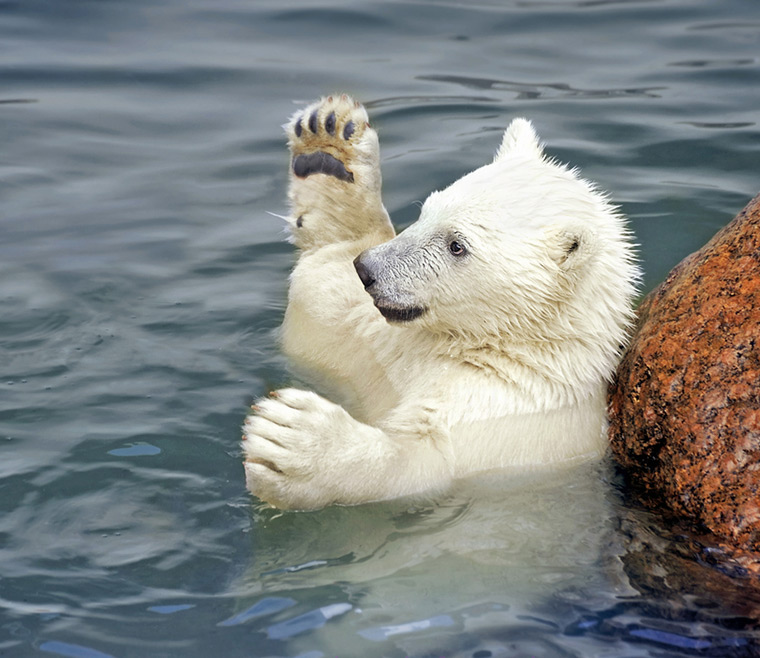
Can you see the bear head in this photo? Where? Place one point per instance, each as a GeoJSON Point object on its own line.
{"type": "Point", "coordinates": [521, 256]}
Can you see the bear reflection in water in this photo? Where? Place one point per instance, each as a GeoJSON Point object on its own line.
{"type": "Point", "coordinates": [499, 551]}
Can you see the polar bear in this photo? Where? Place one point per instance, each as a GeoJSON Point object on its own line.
{"type": "Point", "coordinates": [481, 337]}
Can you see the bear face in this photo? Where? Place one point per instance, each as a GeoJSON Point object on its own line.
{"type": "Point", "coordinates": [521, 253]}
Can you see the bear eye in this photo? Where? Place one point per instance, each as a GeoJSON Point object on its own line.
{"type": "Point", "coordinates": [456, 248]}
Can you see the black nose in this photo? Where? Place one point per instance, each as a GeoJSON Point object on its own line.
{"type": "Point", "coordinates": [363, 271]}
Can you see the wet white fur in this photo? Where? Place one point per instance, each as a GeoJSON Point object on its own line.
{"type": "Point", "coordinates": [507, 369]}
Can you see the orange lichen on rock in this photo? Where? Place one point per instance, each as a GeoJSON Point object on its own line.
{"type": "Point", "coordinates": [685, 404]}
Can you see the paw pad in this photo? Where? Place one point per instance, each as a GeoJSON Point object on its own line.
{"type": "Point", "coordinates": [330, 123]}
{"type": "Point", "coordinates": [321, 163]}
{"type": "Point", "coordinates": [324, 136]}
{"type": "Point", "coordinates": [313, 122]}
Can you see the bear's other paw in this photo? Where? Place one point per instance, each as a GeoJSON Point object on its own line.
{"type": "Point", "coordinates": [301, 450]}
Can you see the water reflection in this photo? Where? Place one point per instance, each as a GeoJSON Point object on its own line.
{"type": "Point", "coordinates": [504, 542]}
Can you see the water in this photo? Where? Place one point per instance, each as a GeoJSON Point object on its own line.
{"type": "Point", "coordinates": [141, 280]}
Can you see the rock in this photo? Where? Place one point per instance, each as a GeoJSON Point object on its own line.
{"type": "Point", "coordinates": [685, 403]}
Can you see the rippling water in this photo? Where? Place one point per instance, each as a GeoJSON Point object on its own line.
{"type": "Point", "coordinates": [141, 280]}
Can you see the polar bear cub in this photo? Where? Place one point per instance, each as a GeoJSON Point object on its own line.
{"type": "Point", "coordinates": [481, 337]}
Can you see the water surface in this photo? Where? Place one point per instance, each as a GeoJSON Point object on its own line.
{"type": "Point", "coordinates": [141, 280]}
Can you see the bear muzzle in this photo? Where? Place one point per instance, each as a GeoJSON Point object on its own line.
{"type": "Point", "coordinates": [391, 310]}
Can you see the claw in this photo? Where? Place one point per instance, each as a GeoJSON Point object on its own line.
{"type": "Point", "coordinates": [264, 462]}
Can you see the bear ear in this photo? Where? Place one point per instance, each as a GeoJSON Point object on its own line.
{"type": "Point", "coordinates": [520, 137]}
{"type": "Point", "coordinates": [572, 246]}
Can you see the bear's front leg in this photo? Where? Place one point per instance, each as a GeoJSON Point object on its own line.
{"type": "Point", "coordinates": [335, 176]}
{"type": "Point", "coordinates": [305, 452]}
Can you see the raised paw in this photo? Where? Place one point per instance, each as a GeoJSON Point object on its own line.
{"type": "Point", "coordinates": [328, 137]}
{"type": "Point", "coordinates": [335, 176]}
